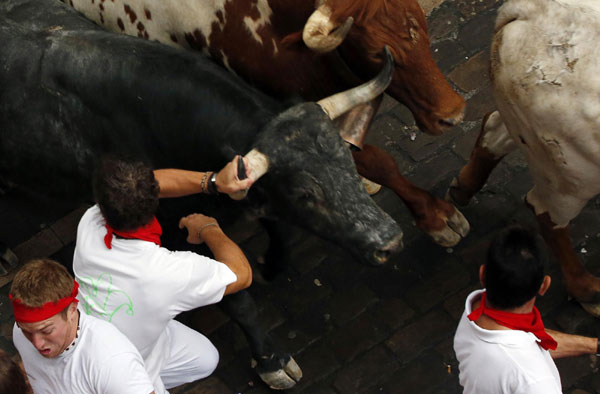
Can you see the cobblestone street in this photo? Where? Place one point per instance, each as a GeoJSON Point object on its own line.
{"type": "Point", "coordinates": [354, 328]}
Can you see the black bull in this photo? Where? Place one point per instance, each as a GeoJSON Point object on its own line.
{"type": "Point", "coordinates": [70, 92]}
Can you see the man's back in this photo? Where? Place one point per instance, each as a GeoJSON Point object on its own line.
{"type": "Point", "coordinates": [502, 361]}
{"type": "Point", "coordinates": [140, 287]}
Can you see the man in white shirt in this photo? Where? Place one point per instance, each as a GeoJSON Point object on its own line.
{"type": "Point", "coordinates": [63, 350]}
{"type": "Point", "coordinates": [501, 343]}
{"type": "Point", "coordinates": [128, 279]}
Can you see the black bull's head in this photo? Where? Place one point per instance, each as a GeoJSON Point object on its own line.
{"type": "Point", "coordinates": [312, 181]}
{"type": "Point", "coordinates": [72, 92]}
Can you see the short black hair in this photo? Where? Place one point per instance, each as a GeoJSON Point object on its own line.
{"type": "Point", "coordinates": [126, 191]}
{"type": "Point", "coordinates": [515, 265]}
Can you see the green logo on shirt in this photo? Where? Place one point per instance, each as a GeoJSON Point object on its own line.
{"type": "Point", "coordinates": [95, 302]}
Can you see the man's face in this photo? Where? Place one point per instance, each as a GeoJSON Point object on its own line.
{"type": "Point", "coordinates": [51, 337]}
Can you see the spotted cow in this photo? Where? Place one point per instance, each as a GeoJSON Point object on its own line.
{"type": "Point", "coordinates": [545, 74]}
{"type": "Point", "coordinates": [289, 48]}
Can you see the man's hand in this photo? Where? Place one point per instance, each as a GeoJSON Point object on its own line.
{"type": "Point", "coordinates": [197, 225]}
{"type": "Point", "coordinates": [203, 228]}
{"type": "Point", "coordinates": [228, 180]}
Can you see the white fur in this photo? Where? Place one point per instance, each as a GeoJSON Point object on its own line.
{"type": "Point", "coordinates": [495, 137]}
{"type": "Point", "coordinates": [265, 17]}
{"type": "Point", "coordinates": [546, 70]}
{"type": "Point", "coordinates": [170, 17]}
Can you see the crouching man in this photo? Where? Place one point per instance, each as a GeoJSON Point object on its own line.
{"type": "Point", "coordinates": [501, 343]}
{"type": "Point", "coordinates": [64, 350]}
{"type": "Point", "coordinates": [130, 280]}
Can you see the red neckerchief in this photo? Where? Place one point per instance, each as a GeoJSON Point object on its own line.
{"type": "Point", "coordinates": [149, 232]}
{"type": "Point", "coordinates": [29, 314]}
{"type": "Point", "coordinates": [528, 322]}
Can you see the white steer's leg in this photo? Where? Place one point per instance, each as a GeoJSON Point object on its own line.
{"type": "Point", "coordinates": [493, 143]}
{"type": "Point", "coordinates": [554, 210]}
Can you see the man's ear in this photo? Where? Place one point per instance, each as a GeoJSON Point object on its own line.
{"type": "Point", "coordinates": [482, 274]}
{"type": "Point", "coordinates": [545, 285]}
{"type": "Point", "coordinates": [72, 310]}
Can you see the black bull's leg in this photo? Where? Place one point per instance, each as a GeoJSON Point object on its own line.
{"type": "Point", "coordinates": [277, 369]}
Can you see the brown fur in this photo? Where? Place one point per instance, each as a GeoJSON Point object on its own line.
{"type": "Point", "coordinates": [362, 10]}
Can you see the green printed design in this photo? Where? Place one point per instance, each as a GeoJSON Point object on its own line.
{"type": "Point", "coordinates": [93, 303]}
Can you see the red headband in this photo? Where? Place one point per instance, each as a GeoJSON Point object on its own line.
{"type": "Point", "coordinates": [26, 314]}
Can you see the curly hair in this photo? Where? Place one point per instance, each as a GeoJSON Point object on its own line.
{"type": "Point", "coordinates": [126, 192]}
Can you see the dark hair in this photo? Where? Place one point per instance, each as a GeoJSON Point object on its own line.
{"type": "Point", "coordinates": [12, 379]}
{"type": "Point", "coordinates": [126, 192]}
{"type": "Point", "coordinates": [514, 270]}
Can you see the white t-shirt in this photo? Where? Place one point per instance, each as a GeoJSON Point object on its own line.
{"type": "Point", "coordinates": [101, 361]}
{"type": "Point", "coordinates": [139, 286]}
{"type": "Point", "coordinates": [502, 361]}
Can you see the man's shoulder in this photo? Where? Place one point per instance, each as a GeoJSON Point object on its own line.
{"type": "Point", "coordinates": [102, 337]}
{"type": "Point", "coordinates": [19, 340]}
{"type": "Point", "coordinates": [92, 213]}
{"type": "Point", "coordinates": [90, 219]}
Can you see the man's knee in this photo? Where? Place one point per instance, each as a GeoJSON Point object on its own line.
{"type": "Point", "coordinates": [205, 359]}
{"type": "Point", "coordinates": [193, 356]}
{"type": "Point", "coordinates": [207, 362]}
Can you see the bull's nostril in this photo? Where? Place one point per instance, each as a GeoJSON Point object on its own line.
{"type": "Point", "coordinates": [452, 121]}
{"type": "Point", "coordinates": [449, 122]}
{"type": "Point", "coordinates": [382, 256]}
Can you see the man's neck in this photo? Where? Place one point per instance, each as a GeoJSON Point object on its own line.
{"type": "Point", "coordinates": [488, 323]}
{"type": "Point", "coordinates": [73, 332]}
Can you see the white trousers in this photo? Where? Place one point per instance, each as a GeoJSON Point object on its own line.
{"type": "Point", "coordinates": [192, 356]}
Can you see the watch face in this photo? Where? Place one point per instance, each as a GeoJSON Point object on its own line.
{"type": "Point", "coordinates": [213, 183]}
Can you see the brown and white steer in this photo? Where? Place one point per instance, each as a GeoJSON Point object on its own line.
{"type": "Point", "coordinates": [262, 41]}
{"type": "Point", "coordinates": [545, 67]}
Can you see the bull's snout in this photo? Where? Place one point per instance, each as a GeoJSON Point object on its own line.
{"type": "Point", "coordinates": [380, 256]}
{"type": "Point", "coordinates": [452, 121]}
{"type": "Point", "coordinates": [437, 123]}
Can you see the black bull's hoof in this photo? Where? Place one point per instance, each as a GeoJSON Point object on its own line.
{"type": "Point", "coordinates": [279, 372]}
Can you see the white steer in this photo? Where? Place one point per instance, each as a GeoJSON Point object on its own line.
{"type": "Point", "coordinates": [545, 66]}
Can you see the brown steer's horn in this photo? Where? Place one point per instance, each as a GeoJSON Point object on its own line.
{"type": "Point", "coordinates": [258, 165]}
{"type": "Point", "coordinates": [341, 103]}
{"type": "Point", "coordinates": [322, 35]}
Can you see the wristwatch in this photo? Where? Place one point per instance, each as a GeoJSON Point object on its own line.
{"type": "Point", "coordinates": [598, 348]}
{"type": "Point", "coordinates": [212, 184]}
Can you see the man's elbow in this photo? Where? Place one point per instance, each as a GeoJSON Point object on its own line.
{"type": "Point", "coordinates": [243, 281]}
{"type": "Point", "coordinates": [246, 278]}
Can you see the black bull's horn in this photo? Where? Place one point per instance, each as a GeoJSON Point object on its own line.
{"type": "Point", "coordinates": [343, 102]}
{"type": "Point", "coordinates": [333, 106]}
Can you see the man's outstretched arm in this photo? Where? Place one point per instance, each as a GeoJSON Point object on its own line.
{"type": "Point", "coordinates": [178, 183]}
{"type": "Point", "coordinates": [570, 345]}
